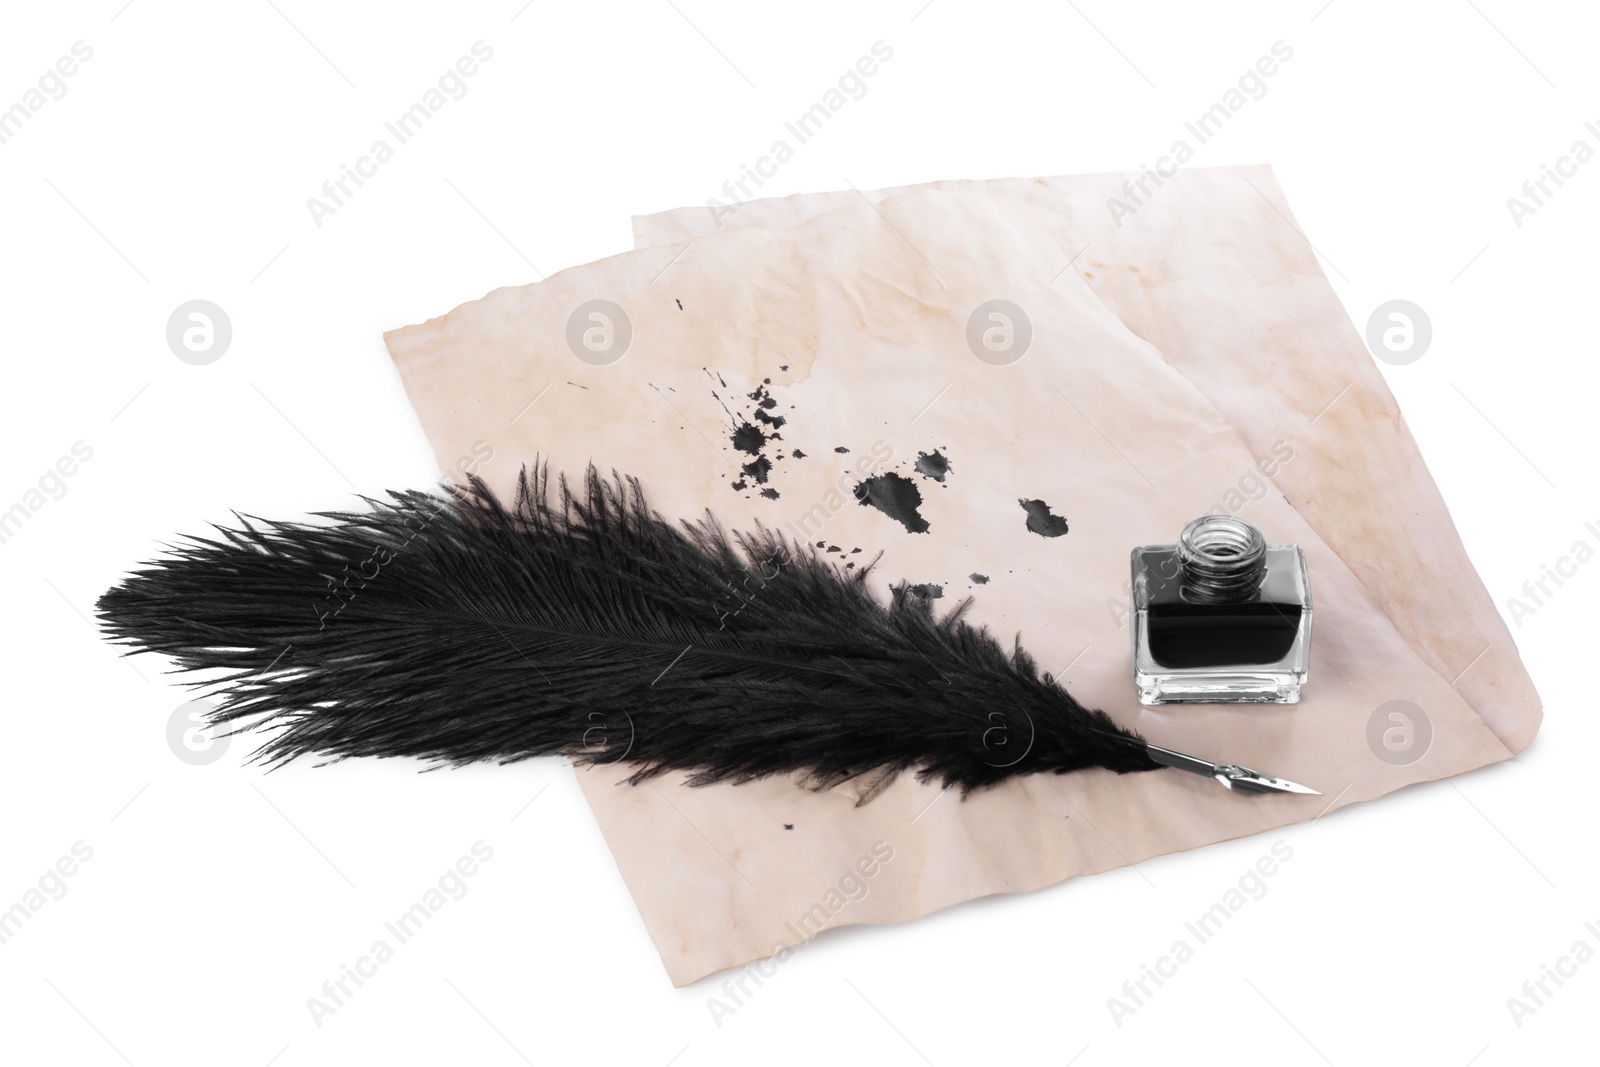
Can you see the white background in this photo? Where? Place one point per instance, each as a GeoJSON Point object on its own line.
{"type": "Point", "coordinates": [218, 899]}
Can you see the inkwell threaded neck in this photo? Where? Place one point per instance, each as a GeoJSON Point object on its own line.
{"type": "Point", "coordinates": [1224, 559]}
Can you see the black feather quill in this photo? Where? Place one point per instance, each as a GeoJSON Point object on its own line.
{"type": "Point", "coordinates": [458, 628]}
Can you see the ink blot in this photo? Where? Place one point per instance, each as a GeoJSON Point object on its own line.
{"type": "Point", "coordinates": [841, 449]}
{"type": "Point", "coordinates": [760, 467]}
{"type": "Point", "coordinates": [897, 497]}
{"type": "Point", "coordinates": [928, 591]}
{"type": "Point", "coordinates": [799, 454]}
{"type": "Point", "coordinates": [754, 428]}
{"type": "Point", "coordinates": [981, 579]}
{"type": "Point", "coordinates": [1040, 521]}
{"type": "Point", "coordinates": [748, 438]}
{"type": "Point", "coordinates": [933, 465]}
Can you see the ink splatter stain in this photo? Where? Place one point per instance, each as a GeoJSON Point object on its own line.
{"type": "Point", "coordinates": [788, 826]}
{"type": "Point", "coordinates": [1040, 521]}
{"type": "Point", "coordinates": [980, 579]}
{"type": "Point", "coordinates": [748, 438]}
{"type": "Point", "coordinates": [897, 497]}
{"type": "Point", "coordinates": [933, 465]}
{"type": "Point", "coordinates": [675, 300]}
{"type": "Point", "coordinates": [755, 429]}
{"type": "Point", "coordinates": [928, 591]}
{"type": "Point", "coordinates": [761, 466]}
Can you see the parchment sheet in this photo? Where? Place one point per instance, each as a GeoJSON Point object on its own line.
{"type": "Point", "coordinates": [858, 317]}
{"type": "Point", "coordinates": [1214, 271]}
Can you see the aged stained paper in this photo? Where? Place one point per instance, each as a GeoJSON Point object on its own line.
{"type": "Point", "coordinates": [853, 321]}
{"type": "Point", "coordinates": [1213, 270]}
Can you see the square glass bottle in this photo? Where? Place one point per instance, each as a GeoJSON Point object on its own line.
{"type": "Point", "coordinates": [1220, 617]}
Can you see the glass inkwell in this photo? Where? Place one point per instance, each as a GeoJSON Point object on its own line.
{"type": "Point", "coordinates": [1220, 617]}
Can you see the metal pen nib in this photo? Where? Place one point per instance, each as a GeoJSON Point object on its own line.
{"type": "Point", "coordinates": [1237, 778]}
